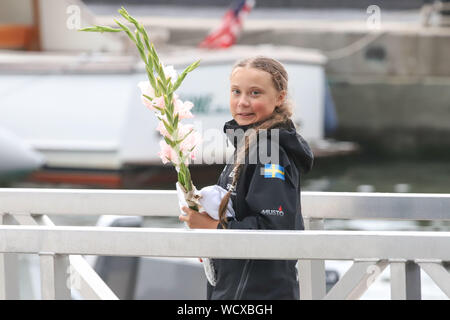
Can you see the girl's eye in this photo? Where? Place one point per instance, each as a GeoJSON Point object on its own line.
{"type": "Point", "coordinates": [235, 91]}
{"type": "Point", "coordinates": [255, 92]}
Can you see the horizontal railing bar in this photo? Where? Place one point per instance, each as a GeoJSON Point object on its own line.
{"type": "Point", "coordinates": [241, 244]}
{"type": "Point", "coordinates": [89, 202]}
{"type": "Point", "coordinates": [355, 205]}
{"type": "Point", "coordinates": [329, 205]}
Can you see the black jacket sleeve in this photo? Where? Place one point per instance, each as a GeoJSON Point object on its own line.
{"type": "Point", "coordinates": [271, 202]}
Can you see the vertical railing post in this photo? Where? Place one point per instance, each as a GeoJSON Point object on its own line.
{"type": "Point", "coordinates": [312, 272]}
{"type": "Point", "coordinates": [405, 280]}
{"type": "Point", "coordinates": [55, 276]}
{"type": "Point", "coordinates": [9, 269]}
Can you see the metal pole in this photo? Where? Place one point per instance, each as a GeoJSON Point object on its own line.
{"type": "Point", "coordinates": [312, 272]}
{"type": "Point", "coordinates": [9, 266]}
{"type": "Point", "coordinates": [405, 281]}
{"type": "Point", "coordinates": [55, 276]}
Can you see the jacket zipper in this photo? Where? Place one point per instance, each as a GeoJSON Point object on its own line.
{"type": "Point", "coordinates": [243, 280]}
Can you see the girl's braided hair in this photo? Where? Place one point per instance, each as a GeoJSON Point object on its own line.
{"type": "Point", "coordinates": [280, 115]}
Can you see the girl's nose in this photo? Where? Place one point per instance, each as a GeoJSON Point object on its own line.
{"type": "Point", "coordinates": [243, 101]}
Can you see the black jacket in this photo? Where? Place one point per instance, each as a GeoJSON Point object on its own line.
{"type": "Point", "coordinates": [264, 202]}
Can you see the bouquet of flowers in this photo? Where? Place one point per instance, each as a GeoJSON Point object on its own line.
{"type": "Point", "coordinates": [158, 94]}
{"type": "Point", "coordinates": [179, 140]}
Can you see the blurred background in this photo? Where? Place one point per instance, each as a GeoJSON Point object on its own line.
{"type": "Point", "coordinates": [370, 81]}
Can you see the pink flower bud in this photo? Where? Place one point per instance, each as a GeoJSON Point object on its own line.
{"type": "Point", "coordinates": [159, 102]}
{"type": "Point", "coordinates": [146, 89]}
{"type": "Point", "coordinates": [183, 109]}
{"type": "Point", "coordinates": [162, 128]}
{"type": "Point", "coordinates": [167, 154]}
{"type": "Point", "coordinates": [191, 141]}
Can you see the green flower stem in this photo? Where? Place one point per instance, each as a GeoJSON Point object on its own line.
{"type": "Point", "coordinates": [161, 85]}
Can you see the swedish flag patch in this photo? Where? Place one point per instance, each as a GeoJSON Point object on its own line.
{"type": "Point", "coordinates": [273, 171]}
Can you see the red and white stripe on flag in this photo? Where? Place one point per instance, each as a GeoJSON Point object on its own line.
{"type": "Point", "coordinates": [232, 22]}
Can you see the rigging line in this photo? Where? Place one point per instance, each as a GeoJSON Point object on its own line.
{"type": "Point", "coordinates": [356, 46]}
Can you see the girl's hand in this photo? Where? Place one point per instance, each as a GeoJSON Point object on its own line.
{"type": "Point", "coordinates": [198, 220]}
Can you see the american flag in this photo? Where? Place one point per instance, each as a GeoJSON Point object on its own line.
{"type": "Point", "coordinates": [232, 22]}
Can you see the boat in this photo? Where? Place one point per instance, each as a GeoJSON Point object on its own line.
{"type": "Point", "coordinates": [84, 112]}
{"type": "Point", "coordinates": [17, 158]}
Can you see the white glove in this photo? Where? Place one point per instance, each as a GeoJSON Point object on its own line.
{"type": "Point", "coordinates": [211, 196]}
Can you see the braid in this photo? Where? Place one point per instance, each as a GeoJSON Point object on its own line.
{"type": "Point", "coordinates": [224, 203]}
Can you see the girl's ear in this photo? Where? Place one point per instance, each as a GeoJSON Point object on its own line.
{"type": "Point", "coordinates": [281, 97]}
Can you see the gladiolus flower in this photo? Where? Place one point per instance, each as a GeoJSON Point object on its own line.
{"type": "Point", "coordinates": [169, 71]}
{"type": "Point", "coordinates": [148, 90]}
{"type": "Point", "coordinates": [190, 141]}
{"type": "Point", "coordinates": [167, 154]}
{"type": "Point", "coordinates": [183, 109]}
{"type": "Point", "coordinates": [158, 102]}
{"type": "Point", "coordinates": [162, 128]}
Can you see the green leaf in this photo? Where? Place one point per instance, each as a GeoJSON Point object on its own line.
{"type": "Point", "coordinates": [181, 77]}
{"type": "Point", "coordinates": [127, 30]}
{"type": "Point", "coordinates": [152, 79]}
{"type": "Point", "coordinates": [150, 61]}
{"type": "Point", "coordinates": [145, 35]}
{"type": "Point", "coordinates": [140, 47]}
{"type": "Point", "coordinates": [175, 122]}
{"type": "Point", "coordinates": [124, 13]}
{"type": "Point", "coordinates": [188, 179]}
{"type": "Point", "coordinates": [100, 29]}
{"type": "Point", "coordinates": [182, 139]}
{"type": "Point", "coordinates": [193, 65]}
{"type": "Point", "coordinates": [138, 26]}
{"type": "Point", "coordinates": [169, 107]}
{"type": "Point", "coordinates": [169, 116]}
{"type": "Point", "coordinates": [169, 128]}
{"type": "Point", "coordinates": [181, 178]}
{"type": "Point", "coordinates": [179, 81]}
{"type": "Point", "coordinates": [169, 142]}
{"type": "Point", "coordinates": [161, 86]}
{"type": "Point", "coordinates": [162, 75]}
{"type": "Point", "coordinates": [155, 55]}
{"type": "Point", "coordinates": [148, 97]}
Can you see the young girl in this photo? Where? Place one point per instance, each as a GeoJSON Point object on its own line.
{"type": "Point", "coordinates": [263, 196]}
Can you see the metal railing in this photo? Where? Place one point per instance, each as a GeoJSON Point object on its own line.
{"type": "Point", "coordinates": [60, 247]}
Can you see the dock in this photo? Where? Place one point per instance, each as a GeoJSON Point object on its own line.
{"type": "Point", "coordinates": [26, 228]}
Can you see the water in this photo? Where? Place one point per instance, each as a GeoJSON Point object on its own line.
{"type": "Point", "coordinates": [346, 174]}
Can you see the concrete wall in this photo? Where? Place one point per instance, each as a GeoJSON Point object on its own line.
{"type": "Point", "coordinates": [16, 12]}
{"type": "Point", "coordinates": [58, 33]}
{"type": "Point", "coordinates": [400, 118]}
{"type": "Point", "coordinates": [387, 4]}
{"type": "Point", "coordinates": [394, 53]}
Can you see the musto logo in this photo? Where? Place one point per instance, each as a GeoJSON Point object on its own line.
{"type": "Point", "coordinates": [271, 212]}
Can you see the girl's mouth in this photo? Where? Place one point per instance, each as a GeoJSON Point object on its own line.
{"type": "Point", "coordinates": [245, 115]}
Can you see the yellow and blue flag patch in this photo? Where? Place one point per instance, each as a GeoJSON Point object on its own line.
{"type": "Point", "coordinates": [273, 171]}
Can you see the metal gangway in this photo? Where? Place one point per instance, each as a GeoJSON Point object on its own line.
{"type": "Point", "coordinates": [25, 228]}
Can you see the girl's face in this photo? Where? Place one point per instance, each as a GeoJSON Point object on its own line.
{"type": "Point", "coordinates": [253, 95]}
